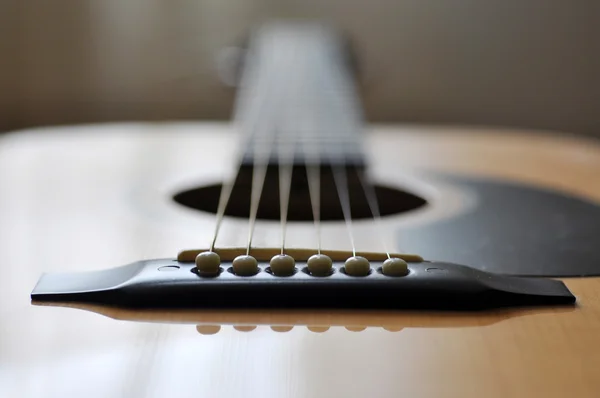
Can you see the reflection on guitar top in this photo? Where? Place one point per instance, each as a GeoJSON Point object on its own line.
{"type": "Point", "coordinates": [210, 322]}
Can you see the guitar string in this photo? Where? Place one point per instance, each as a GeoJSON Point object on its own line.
{"type": "Point", "coordinates": [313, 174]}
{"type": "Point", "coordinates": [312, 161]}
{"type": "Point", "coordinates": [258, 179]}
{"type": "Point", "coordinates": [224, 197]}
{"type": "Point", "coordinates": [285, 187]}
{"type": "Point", "coordinates": [260, 161]}
{"type": "Point", "coordinates": [285, 169]}
{"type": "Point", "coordinates": [338, 166]}
{"type": "Point", "coordinates": [254, 118]}
{"type": "Point", "coordinates": [341, 182]}
{"type": "Point", "coordinates": [286, 154]}
{"type": "Point", "coordinates": [229, 182]}
{"type": "Point", "coordinates": [371, 196]}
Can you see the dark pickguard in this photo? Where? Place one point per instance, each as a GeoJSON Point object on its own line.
{"type": "Point", "coordinates": [514, 229]}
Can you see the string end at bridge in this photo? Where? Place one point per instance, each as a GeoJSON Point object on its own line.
{"type": "Point", "coordinates": [265, 254]}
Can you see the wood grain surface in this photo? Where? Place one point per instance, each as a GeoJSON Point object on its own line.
{"type": "Point", "coordinates": [93, 197]}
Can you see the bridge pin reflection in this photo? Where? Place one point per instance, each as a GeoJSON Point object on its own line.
{"type": "Point", "coordinates": [319, 265]}
{"type": "Point", "coordinates": [208, 329]}
{"type": "Point", "coordinates": [244, 328]}
{"type": "Point", "coordinates": [245, 265]}
{"type": "Point", "coordinates": [394, 267]}
{"type": "Point", "coordinates": [356, 328]}
{"type": "Point", "coordinates": [357, 266]}
{"type": "Point", "coordinates": [281, 329]}
{"type": "Point", "coordinates": [282, 265]}
{"type": "Point", "coordinates": [207, 263]}
{"type": "Point", "coordinates": [393, 329]}
{"type": "Point", "coordinates": [318, 329]}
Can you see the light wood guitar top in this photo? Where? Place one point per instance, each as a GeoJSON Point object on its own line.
{"type": "Point", "coordinates": [95, 197]}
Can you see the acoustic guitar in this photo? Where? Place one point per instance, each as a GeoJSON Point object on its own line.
{"type": "Point", "coordinates": [298, 252]}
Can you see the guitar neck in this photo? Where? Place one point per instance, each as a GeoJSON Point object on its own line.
{"type": "Point", "coordinates": [297, 102]}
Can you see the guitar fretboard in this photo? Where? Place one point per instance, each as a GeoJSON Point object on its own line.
{"type": "Point", "coordinates": [297, 99]}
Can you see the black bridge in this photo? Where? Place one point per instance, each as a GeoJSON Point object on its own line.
{"type": "Point", "coordinates": [428, 285]}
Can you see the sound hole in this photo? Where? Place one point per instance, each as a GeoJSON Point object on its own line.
{"type": "Point", "coordinates": [391, 201]}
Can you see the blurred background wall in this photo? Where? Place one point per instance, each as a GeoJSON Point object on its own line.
{"type": "Point", "coordinates": [527, 63]}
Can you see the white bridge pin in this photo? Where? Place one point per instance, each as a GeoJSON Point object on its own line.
{"type": "Point", "coordinates": [319, 265]}
{"type": "Point", "coordinates": [395, 267]}
{"type": "Point", "coordinates": [357, 266]}
{"type": "Point", "coordinates": [207, 263]}
{"type": "Point", "coordinates": [245, 265]}
{"type": "Point", "coordinates": [282, 265]}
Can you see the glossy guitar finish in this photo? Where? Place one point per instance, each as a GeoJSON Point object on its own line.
{"type": "Point", "coordinates": [92, 197]}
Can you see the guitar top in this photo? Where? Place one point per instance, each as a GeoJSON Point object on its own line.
{"type": "Point", "coordinates": [410, 226]}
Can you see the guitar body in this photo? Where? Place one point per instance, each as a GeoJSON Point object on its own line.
{"type": "Point", "coordinates": [94, 197]}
